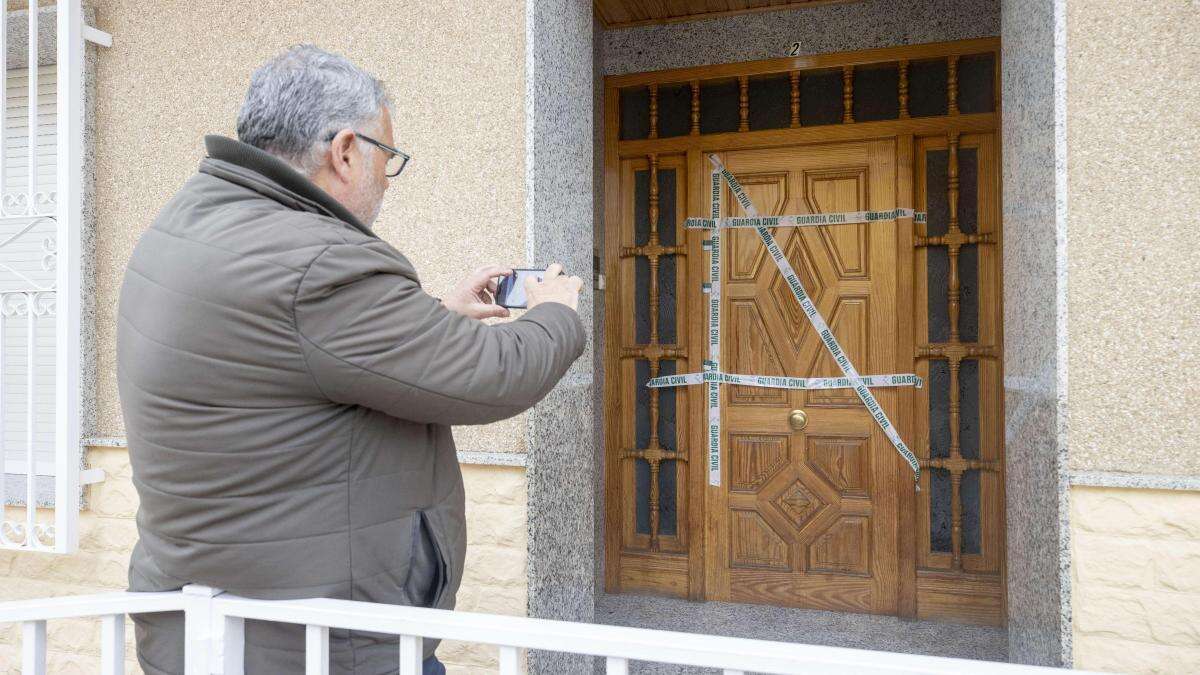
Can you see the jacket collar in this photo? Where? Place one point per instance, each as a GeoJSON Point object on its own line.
{"type": "Point", "coordinates": [270, 176]}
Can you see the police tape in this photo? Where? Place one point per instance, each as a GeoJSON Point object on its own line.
{"type": "Point", "coordinates": [803, 220]}
{"type": "Point", "coordinates": [713, 364]}
{"type": "Point", "coordinates": [781, 382]}
{"type": "Point", "coordinates": [818, 323]}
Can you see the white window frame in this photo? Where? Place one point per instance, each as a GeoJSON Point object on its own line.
{"type": "Point", "coordinates": [67, 211]}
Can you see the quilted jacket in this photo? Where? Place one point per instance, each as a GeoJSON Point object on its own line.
{"type": "Point", "coordinates": [287, 389]}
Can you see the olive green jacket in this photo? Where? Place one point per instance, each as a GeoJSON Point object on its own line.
{"type": "Point", "coordinates": [287, 389]}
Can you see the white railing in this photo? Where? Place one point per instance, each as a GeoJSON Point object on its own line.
{"type": "Point", "coordinates": [214, 637]}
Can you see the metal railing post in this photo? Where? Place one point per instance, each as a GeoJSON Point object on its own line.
{"type": "Point", "coordinates": [229, 643]}
{"type": "Point", "coordinates": [510, 661]}
{"type": "Point", "coordinates": [411, 654]}
{"type": "Point", "coordinates": [33, 648]}
{"type": "Point", "coordinates": [616, 666]}
{"type": "Point", "coordinates": [112, 644]}
{"type": "Point", "coordinates": [316, 650]}
{"type": "Point", "coordinates": [198, 647]}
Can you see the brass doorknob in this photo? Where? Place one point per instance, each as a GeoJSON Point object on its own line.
{"type": "Point", "coordinates": [797, 419]}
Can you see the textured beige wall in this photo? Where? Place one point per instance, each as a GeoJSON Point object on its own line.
{"type": "Point", "coordinates": [494, 580]}
{"type": "Point", "coordinates": [178, 70]}
{"type": "Point", "coordinates": [1136, 579]}
{"type": "Point", "coordinates": [1133, 108]}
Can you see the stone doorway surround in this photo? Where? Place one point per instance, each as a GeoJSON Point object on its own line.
{"type": "Point", "coordinates": [567, 55]}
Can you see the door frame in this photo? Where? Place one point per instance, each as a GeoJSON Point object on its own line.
{"type": "Point", "coordinates": [693, 147]}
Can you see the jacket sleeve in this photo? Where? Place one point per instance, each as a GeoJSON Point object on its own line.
{"type": "Point", "coordinates": [373, 337]}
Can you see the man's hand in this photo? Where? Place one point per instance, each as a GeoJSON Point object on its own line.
{"type": "Point", "coordinates": [554, 287]}
{"type": "Point", "coordinates": [474, 297]}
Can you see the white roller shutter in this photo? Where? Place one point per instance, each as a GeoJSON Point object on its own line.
{"type": "Point", "coordinates": [25, 265]}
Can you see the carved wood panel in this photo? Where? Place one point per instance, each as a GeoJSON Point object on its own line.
{"type": "Point", "coordinates": [844, 548]}
{"type": "Point", "coordinates": [746, 254]}
{"type": "Point", "coordinates": [829, 504]}
{"type": "Point", "coordinates": [849, 322]}
{"type": "Point", "coordinates": [798, 254]}
{"type": "Point", "coordinates": [754, 543]}
{"type": "Point", "coordinates": [843, 462]}
{"type": "Point", "coordinates": [756, 459]}
{"type": "Point", "coordinates": [846, 246]}
{"type": "Point", "coordinates": [753, 353]}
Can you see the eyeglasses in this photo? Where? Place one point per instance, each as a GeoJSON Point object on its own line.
{"type": "Point", "coordinates": [396, 160]}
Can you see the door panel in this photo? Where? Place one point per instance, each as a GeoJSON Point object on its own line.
{"type": "Point", "coordinates": [808, 518]}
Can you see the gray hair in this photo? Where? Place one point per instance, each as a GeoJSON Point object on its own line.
{"type": "Point", "coordinates": [299, 98]}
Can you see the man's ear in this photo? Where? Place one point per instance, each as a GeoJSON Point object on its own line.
{"type": "Point", "coordinates": [341, 155]}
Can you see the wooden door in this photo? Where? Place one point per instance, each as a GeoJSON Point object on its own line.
{"type": "Point", "coordinates": [808, 517]}
{"type": "Point", "coordinates": [824, 516]}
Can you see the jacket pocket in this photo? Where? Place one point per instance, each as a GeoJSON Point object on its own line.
{"type": "Point", "coordinates": [441, 579]}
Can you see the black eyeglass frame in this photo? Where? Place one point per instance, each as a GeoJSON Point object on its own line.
{"type": "Point", "coordinates": [404, 156]}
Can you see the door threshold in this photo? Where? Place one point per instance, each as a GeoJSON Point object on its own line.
{"type": "Point", "coordinates": [790, 624]}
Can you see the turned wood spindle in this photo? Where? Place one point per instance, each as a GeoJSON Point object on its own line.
{"type": "Point", "coordinates": [654, 500]}
{"type": "Point", "coordinates": [847, 94]}
{"type": "Point", "coordinates": [952, 85]}
{"type": "Point", "coordinates": [744, 103]}
{"type": "Point", "coordinates": [653, 111]}
{"type": "Point", "coordinates": [903, 89]}
{"type": "Point", "coordinates": [955, 476]}
{"type": "Point", "coordinates": [795, 77]}
{"type": "Point", "coordinates": [695, 108]}
{"type": "Point", "coordinates": [652, 457]}
{"type": "Point", "coordinates": [954, 292]}
{"type": "Point", "coordinates": [653, 261]}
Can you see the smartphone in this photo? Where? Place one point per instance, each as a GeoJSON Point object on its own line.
{"type": "Point", "coordinates": [511, 290]}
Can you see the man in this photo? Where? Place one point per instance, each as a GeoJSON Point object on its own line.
{"type": "Point", "coordinates": [287, 386]}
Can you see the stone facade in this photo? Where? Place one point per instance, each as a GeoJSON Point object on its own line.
{"type": "Point", "coordinates": [493, 581]}
{"type": "Point", "coordinates": [1135, 579]}
{"type": "Point", "coordinates": [1131, 113]}
{"type": "Point", "coordinates": [1133, 107]}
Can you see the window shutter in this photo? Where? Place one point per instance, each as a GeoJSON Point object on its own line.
{"type": "Point", "coordinates": [25, 264]}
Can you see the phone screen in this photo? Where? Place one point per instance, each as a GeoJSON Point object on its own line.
{"type": "Point", "coordinates": [511, 291]}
